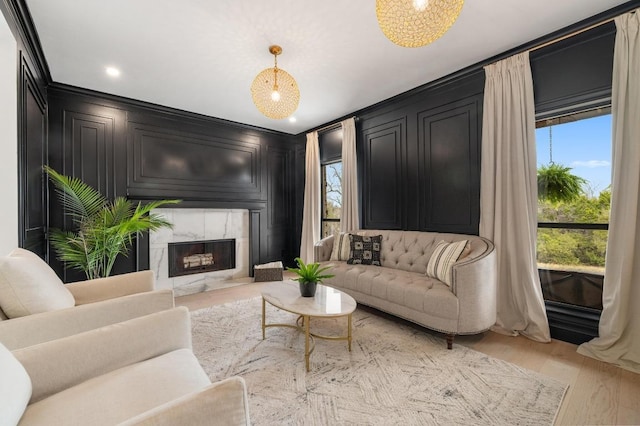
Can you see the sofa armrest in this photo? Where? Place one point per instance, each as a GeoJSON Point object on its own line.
{"type": "Point", "coordinates": [30, 330]}
{"type": "Point", "coordinates": [60, 364]}
{"type": "Point", "coordinates": [322, 249]}
{"type": "Point", "coordinates": [223, 403]}
{"type": "Point", "coordinates": [98, 289]}
{"type": "Point", "coordinates": [474, 282]}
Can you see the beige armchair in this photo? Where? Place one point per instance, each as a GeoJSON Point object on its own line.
{"type": "Point", "coordinates": [138, 372]}
{"type": "Point", "coordinates": [35, 306]}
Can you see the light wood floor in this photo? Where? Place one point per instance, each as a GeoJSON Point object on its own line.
{"type": "Point", "coordinates": [598, 394]}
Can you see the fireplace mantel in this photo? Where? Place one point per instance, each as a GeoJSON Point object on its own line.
{"type": "Point", "coordinates": [196, 224]}
{"type": "Point", "coordinates": [209, 204]}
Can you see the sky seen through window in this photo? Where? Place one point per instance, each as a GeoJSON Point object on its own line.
{"type": "Point", "coordinates": [583, 145]}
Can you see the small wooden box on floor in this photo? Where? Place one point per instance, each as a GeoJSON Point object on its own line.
{"type": "Point", "coordinates": [268, 272]}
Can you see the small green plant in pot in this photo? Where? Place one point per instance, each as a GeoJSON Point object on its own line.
{"type": "Point", "coordinates": [309, 275]}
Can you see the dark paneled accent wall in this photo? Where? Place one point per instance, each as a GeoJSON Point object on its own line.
{"type": "Point", "coordinates": [384, 175]}
{"type": "Point", "coordinates": [87, 141]}
{"type": "Point", "coordinates": [91, 153]}
{"type": "Point", "coordinates": [279, 244]}
{"type": "Point", "coordinates": [145, 152]}
{"type": "Point", "coordinates": [32, 79]}
{"type": "Point", "coordinates": [32, 149]}
{"type": "Point", "coordinates": [419, 159]}
{"type": "Point", "coordinates": [196, 163]}
{"type": "Point", "coordinates": [449, 168]}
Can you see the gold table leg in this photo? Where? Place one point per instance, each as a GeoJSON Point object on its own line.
{"type": "Point", "coordinates": [263, 318]}
{"type": "Point", "coordinates": [306, 320]}
{"type": "Point", "coordinates": [349, 332]}
{"type": "Point", "coordinates": [305, 326]}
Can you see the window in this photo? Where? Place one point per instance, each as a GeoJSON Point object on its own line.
{"type": "Point", "coordinates": [331, 197]}
{"type": "Point", "coordinates": [574, 197]}
{"type": "Point", "coordinates": [330, 144]}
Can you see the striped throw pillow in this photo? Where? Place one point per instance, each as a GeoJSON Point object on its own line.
{"type": "Point", "coordinates": [341, 246]}
{"type": "Point", "coordinates": [442, 260]}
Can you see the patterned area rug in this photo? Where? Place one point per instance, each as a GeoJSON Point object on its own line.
{"type": "Point", "coordinates": [395, 375]}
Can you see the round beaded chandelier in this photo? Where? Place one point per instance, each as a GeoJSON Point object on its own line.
{"type": "Point", "coordinates": [416, 23]}
{"type": "Point", "coordinates": [274, 91]}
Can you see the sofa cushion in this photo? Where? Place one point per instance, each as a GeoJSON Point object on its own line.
{"type": "Point", "coordinates": [386, 286]}
{"type": "Point", "coordinates": [365, 250]}
{"type": "Point", "coordinates": [442, 259]}
{"type": "Point", "coordinates": [405, 250]}
{"type": "Point", "coordinates": [341, 246]}
{"type": "Point", "coordinates": [15, 388]}
{"type": "Point", "coordinates": [116, 396]}
{"type": "Point", "coordinates": [29, 286]}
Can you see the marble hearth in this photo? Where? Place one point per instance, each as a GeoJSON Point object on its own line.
{"type": "Point", "coordinates": [196, 225]}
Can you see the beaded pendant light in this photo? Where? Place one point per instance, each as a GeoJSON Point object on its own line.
{"type": "Point", "coordinates": [416, 23]}
{"type": "Point", "coordinates": [274, 91]}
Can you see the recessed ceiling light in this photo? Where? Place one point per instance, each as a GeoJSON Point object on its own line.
{"type": "Point", "coordinates": [292, 119]}
{"type": "Point", "coordinates": [113, 72]}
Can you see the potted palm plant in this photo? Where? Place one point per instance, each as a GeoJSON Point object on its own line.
{"type": "Point", "coordinates": [309, 275]}
{"type": "Point", "coordinates": [103, 229]}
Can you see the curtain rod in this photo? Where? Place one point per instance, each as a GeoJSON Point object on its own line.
{"type": "Point", "coordinates": [335, 124]}
{"type": "Point", "coordinates": [575, 33]}
{"type": "Point", "coordinates": [566, 36]}
{"type": "Point", "coordinates": [580, 31]}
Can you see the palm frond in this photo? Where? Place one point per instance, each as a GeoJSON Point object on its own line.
{"type": "Point", "coordinates": [79, 200]}
{"type": "Point", "coordinates": [120, 210]}
{"type": "Point", "coordinates": [143, 209]}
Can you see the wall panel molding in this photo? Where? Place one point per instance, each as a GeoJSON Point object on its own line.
{"type": "Point", "coordinates": [278, 180]}
{"type": "Point", "coordinates": [91, 149]}
{"type": "Point", "coordinates": [169, 163]}
{"type": "Point", "coordinates": [449, 167]}
{"type": "Point", "coordinates": [32, 155]}
{"type": "Point", "coordinates": [280, 217]}
{"type": "Point", "coordinates": [384, 174]}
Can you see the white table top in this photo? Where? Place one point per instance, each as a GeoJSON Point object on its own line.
{"type": "Point", "coordinates": [328, 301]}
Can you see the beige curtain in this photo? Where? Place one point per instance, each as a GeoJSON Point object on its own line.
{"type": "Point", "coordinates": [508, 196]}
{"type": "Point", "coordinates": [619, 330]}
{"type": "Point", "coordinates": [349, 217]}
{"type": "Point", "coordinates": [312, 205]}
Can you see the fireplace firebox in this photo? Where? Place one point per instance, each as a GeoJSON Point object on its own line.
{"type": "Point", "coordinates": [196, 257]}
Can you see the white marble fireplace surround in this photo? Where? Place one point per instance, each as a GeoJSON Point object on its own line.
{"type": "Point", "coordinates": [192, 224]}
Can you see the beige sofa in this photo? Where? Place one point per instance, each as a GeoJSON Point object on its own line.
{"type": "Point", "coordinates": [401, 287]}
{"type": "Point", "coordinates": [138, 372]}
{"type": "Point", "coordinates": [39, 307]}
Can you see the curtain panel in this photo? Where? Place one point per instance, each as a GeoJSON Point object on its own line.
{"type": "Point", "coordinates": [619, 327]}
{"type": "Point", "coordinates": [508, 196]}
{"type": "Point", "coordinates": [349, 216]}
{"type": "Point", "coordinates": [311, 214]}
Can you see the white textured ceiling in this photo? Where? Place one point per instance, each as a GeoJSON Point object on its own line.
{"type": "Point", "coordinates": [202, 55]}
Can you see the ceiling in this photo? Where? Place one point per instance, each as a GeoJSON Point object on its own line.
{"type": "Point", "coordinates": [202, 55]}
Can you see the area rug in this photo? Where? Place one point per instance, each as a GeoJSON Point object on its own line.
{"type": "Point", "coordinates": [395, 374]}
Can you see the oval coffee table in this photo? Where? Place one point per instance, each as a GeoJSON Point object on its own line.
{"type": "Point", "coordinates": [328, 302]}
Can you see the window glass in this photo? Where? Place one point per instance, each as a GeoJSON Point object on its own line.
{"type": "Point", "coordinates": [574, 199]}
{"type": "Point", "coordinates": [331, 197]}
